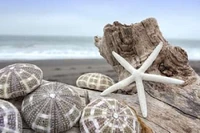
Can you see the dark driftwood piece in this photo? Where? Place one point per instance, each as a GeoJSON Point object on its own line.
{"type": "Point", "coordinates": [171, 108]}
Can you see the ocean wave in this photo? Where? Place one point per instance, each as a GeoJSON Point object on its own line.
{"type": "Point", "coordinates": [40, 47]}
{"type": "Point", "coordinates": [193, 54]}
{"type": "Point", "coordinates": [36, 55]}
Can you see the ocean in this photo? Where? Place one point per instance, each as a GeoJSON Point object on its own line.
{"type": "Point", "coordinates": [68, 47]}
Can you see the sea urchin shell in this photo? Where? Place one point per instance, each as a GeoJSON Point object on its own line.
{"type": "Point", "coordinates": [108, 116]}
{"type": "Point", "coordinates": [54, 107]}
{"type": "Point", "coordinates": [19, 80]}
{"type": "Point", "coordinates": [94, 81]}
{"type": "Point", "coordinates": [10, 119]}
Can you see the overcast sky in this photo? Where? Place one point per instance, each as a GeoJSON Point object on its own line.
{"type": "Point", "coordinates": [176, 18]}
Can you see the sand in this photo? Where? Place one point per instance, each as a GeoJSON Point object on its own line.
{"type": "Point", "coordinates": [67, 71]}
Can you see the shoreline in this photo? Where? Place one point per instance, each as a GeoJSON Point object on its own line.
{"type": "Point", "coordinates": [68, 70]}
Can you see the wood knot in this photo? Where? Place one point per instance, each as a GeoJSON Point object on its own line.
{"type": "Point", "coordinates": [167, 71]}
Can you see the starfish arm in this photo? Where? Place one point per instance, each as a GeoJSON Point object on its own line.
{"type": "Point", "coordinates": [124, 63]}
{"type": "Point", "coordinates": [161, 79]}
{"type": "Point", "coordinates": [141, 96]}
{"type": "Point", "coordinates": [119, 85]}
{"type": "Point", "coordinates": [151, 58]}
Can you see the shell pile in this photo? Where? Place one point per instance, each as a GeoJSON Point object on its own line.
{"type": "Point", "coordinates": [54, 107]}
{"type": "Point", "coordinates": [19, 80]}
{"type": "Point", "coordinates": [109, 116]}
{"type": "Point", "coordinates": [94, 81]}
{"type": "Point", "coordinates": [10, 120]}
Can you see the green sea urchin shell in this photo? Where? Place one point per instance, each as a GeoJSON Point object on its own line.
{"type": "Point", "coordinates": [108, 116]}
{"type": "Point", "coordinates": [19, 80]}
{"type": "Point", "coordinates": [10, 119]}
{"type": "Point", "coordinates": [54, 107]}
{"type": "Point", "coordinates": [94, 81]}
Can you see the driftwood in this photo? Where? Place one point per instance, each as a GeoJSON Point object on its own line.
{"type": "Point", "coordinates": [171, 108]}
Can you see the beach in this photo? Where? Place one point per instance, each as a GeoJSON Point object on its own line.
{"type": "Point", "coordinates": [67, 71]}
{"type": "Point", "coordinates": [55, 75]}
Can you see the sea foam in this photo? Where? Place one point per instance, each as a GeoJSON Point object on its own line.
{"type": "Point", "coordinates": [66, 47]}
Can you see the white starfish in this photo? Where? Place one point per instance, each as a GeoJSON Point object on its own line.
{"type": "Point", "coordinates": [138, 76]}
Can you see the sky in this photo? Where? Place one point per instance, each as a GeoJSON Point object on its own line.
{"type": "Point", "coordinates": [176, 18]}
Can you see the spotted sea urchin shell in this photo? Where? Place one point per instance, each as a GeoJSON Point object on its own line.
{"type": "Point", "coordinates": [108, 116]}
{"type": "Point", "coordinates": [54, 107]}
{"type": "Point", "coordinates": [19, 80]}
{"type": "Point", "coordinates": [94, 81]}
{"type": "Point", "coordinates": [10, 119]}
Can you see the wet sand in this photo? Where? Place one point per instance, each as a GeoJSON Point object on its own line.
{"type": "Point", "coordinates": [67, 71]}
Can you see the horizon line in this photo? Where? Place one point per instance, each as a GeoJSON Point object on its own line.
{"type": "Point", "coordinates": [51, 35]}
